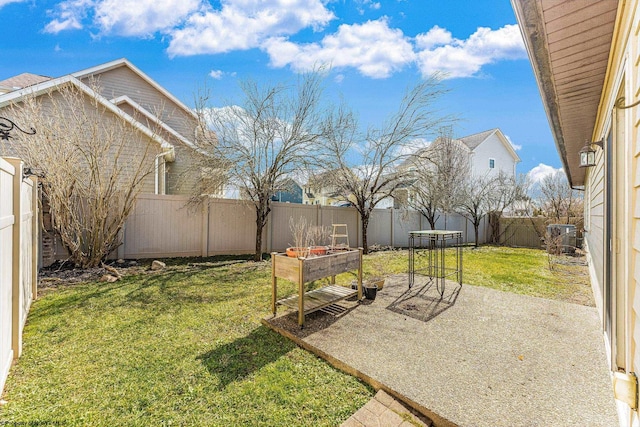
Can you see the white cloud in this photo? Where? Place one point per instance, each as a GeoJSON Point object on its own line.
{"type": "Point", "coordinates": [339, 78]}
{"type": "Point", "coordinates": [362, 4]}
{"type": "Point", "coordinates": [6, 2]}
{"type": "Point", "coordinates": [373, 48]}
{"type": "Point", "coordinates": [121, 17]}
{"type": "Point", "coordinates": [540, 172]}
{"type": "Point", "coordinates": [413, 147]}
{"type": "Point", "coordinates": [193, 26]}
{"type": "Point", "coordinates": [141, 17]}
{"type": "Point", "coordinates": [465, 58]}
{"type": "Point", "coordinates": [434, 37]}
{"type": "Point", "coordinates": [68, 16]}
{"type": "Point", "coordinates": [516, 147]}
{"type": "Point", "coordinates": [216, 74]}
{"type": "Point", "coordinates": [246, 24]}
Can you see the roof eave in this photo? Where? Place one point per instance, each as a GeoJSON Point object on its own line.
{"type": "Point", "coordinates": [529, 19]}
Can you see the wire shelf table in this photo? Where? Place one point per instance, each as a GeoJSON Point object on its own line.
{"type": "Point", "coordinates": [434, 243]}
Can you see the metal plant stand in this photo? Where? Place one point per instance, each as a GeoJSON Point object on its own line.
{"type": "Point", "coordinates": [434, 243]}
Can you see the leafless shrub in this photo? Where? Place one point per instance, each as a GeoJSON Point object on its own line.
{"type": "Point", "coordinates": [95, 161]}
{"type": "Point", "coordinates": [553, 242]}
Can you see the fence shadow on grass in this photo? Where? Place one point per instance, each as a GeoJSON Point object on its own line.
{"type": "Point", "coordinates": [423, 301]}
{"type": "Point", "coordinates": [238, 359]}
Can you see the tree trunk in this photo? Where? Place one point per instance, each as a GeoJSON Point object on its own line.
{"type": "Point", "coordinates": [258, 255]}
{"type": "Point", "coordinates": [476, 227]}
{"type": "Point", "coordinates": [364, 221]}
{"type": "Point", "coordinates": [260, 223]}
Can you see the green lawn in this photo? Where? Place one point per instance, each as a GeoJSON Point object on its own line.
{"type": "Point", "coordinates": [186, 347]}
{"type": "Point", "coordinates": [518, 270]}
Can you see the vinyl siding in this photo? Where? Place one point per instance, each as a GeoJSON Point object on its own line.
{"type": "Point", "coordinates": [595, 230]}
{"type": "Point", "coordinates": [122, 81]}
{"type": "Point", "coordinates": [133, 146]}
{"type": "Point", "coordinates": [492, 148]}
{"type": "Point", "coordinates": [634, 82]}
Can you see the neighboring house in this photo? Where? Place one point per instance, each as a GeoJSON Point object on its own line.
{"type": "Point", "coordinates": [118, 92]}
{"type": "Point", "coordinates": [491, 152]}
{"type": "Point", "coordinates": [318, 191]}
{"type": "Point", "coordinates": [291, 192]}
{"type": "Point", "coordinates": [586, 58]}
{"type": "Point", "coordinates": [129, 94]}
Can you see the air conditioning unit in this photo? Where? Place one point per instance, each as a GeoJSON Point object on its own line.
{"type": "Point", "coordinates": [562, 238]}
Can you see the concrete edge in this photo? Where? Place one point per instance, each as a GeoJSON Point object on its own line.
{"type": "Point", "coordinates": [437, 420]}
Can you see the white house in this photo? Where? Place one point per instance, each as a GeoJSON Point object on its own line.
{"type": "Point", "coordinates": [490, 153]}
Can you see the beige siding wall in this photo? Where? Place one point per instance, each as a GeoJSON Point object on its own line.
{"type": "Point", "coordinates": [130, 145]}
{"type": "Point", "coordinates": [634, 295]}
{"type": "Point", "coordinates": [594, 226]}
{"type": "Point", "coordinates": [182, 175]}
{"type": "Point", "coordinates": [623, 78]}
{"type": "Point", "coordinates": [122, 81]}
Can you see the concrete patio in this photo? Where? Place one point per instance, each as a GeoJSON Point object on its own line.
{"type": "Point", "coordinates": [478, 357]}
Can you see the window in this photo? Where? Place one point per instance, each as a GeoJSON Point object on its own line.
{"type": "Point", "coordinates": [492, 163]}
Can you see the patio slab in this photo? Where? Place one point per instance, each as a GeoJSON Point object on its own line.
{"type": "Point", "coordinates": [478, 357]}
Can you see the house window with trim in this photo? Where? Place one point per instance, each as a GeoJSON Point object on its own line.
{"type": "Point", "coordinates": [492, 163]}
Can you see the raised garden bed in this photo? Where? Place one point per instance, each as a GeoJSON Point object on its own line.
{"type": "Point", "coordinates": [304, 270]}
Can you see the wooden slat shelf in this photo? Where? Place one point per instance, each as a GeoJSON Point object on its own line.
{"type": "Point", "coordinates": [319, 298]}
{"type": "Point", "coordinates": [303, 270]}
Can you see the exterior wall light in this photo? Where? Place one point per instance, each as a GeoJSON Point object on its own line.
{"type": "Point", "coordinates": [588, 154]}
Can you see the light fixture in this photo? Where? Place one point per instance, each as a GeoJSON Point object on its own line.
{"type": "Point", "coordinates": [588, 154]}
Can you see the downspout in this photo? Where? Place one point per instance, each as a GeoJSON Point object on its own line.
{"type": "Point", "coordinates": [169, 156]}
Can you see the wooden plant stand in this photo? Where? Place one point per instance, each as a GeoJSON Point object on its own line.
{"type": "Point", "coordinates": [303, 270]}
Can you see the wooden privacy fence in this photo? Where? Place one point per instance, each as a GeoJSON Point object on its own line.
{"type": "Point", "coordinates": [18, 258]}
{"type": "Point", "coordinates": [163, 226]}
{"type": "Point", "coordinates": [529, 232]}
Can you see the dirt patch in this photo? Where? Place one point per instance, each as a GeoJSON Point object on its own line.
{"type": "Point", "coordinates": [66, 274]}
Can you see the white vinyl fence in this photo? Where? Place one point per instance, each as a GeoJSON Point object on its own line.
{"type": "Point", "coordinates": [163, 226]}
{"type": "Point", "coordinates": [18, 258]}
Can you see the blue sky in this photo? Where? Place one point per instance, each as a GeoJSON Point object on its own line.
{"type": "Point", "coordinates": [376, 48]}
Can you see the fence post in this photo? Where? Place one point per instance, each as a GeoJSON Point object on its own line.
{"type": "Point", "coordinates": [392, 231]}
{"type": "Point", "coordinates": [204, 242]}
{"type": "Point", "coordinates": [16, 266]}
{"type": "Point", "coordinates": [35, 238]}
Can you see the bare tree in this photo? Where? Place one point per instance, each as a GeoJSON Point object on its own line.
{"type": "Point", "coordinates": [440, 171]}
{"type": "Point", "coordinates": [489, 194]}
{"type": "Point", "coordinates": [363, 169]}
{"type": "Point", "coordinates": [257, 145]}
{"type": "Point", "coordinates": [506, 191]}
{"type": "Point", "coordinates": [557, 199]}
{"type": "Point", "coordinates": [556, 203]}
{"type": "Point", "coordinates": [94, 160]}
{"type": "Point", "coordinates": [473, 205]}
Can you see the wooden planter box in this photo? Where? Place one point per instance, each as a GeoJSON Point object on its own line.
{"type": "Point", "coordinates": [303, 270]}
